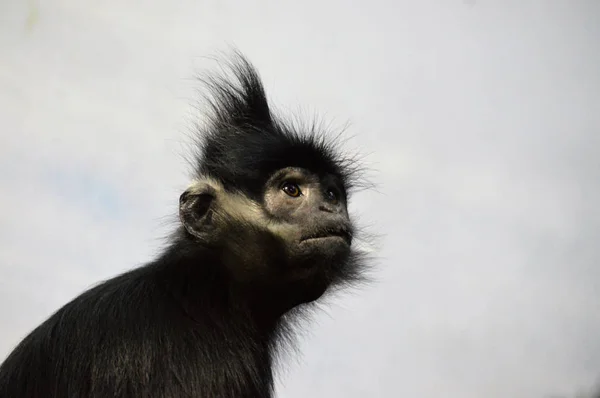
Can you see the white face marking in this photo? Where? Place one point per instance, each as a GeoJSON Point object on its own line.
{"type": "Point", "coordinates": [237, 208]}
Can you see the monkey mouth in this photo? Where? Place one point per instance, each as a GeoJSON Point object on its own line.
{"type": "Point", "coordinates": [329, 233]}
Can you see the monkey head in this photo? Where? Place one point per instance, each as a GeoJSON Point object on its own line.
{"type": "Point", "coordinates": [295, 242]}
{"type": "Point", "coordinates": [270, 199]}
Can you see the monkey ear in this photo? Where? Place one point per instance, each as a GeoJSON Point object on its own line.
{"type": "Point", "coordinates": [196, 213]}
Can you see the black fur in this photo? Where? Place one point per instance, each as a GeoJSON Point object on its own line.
{"type": "Point", "coordinates": [244, 142]}
{"type": "Point", "coordinates": [177, 327]}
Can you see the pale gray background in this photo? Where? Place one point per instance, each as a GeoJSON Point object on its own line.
{"type": "Point", "coordinates": [479, 119]}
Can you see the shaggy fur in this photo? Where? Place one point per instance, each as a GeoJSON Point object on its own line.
{"type": "Point", "coordinates": [179, 326]}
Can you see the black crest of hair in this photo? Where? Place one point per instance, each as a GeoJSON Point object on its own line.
{"type": "Point", "coordinates": [244, 141]}
{"type": "Point", "coordinates": [264, 233]}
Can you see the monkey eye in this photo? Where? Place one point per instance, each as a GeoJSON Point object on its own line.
{"type": "Point", "coordinates": [291, 189]}
{"type": "Point", "coordinates": [331, 196]}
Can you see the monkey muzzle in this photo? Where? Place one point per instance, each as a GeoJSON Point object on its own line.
{"type": "Point", "coordinates": [331, 232]}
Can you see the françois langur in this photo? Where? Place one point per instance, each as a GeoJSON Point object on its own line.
{"type": "Point", "coordinates": [264, 231]}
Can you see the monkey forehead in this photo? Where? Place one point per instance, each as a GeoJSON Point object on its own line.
{"type": "Point", "coordinates": [247, 161]}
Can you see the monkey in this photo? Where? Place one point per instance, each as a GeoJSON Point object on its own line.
{"type": "Point", "coordinates": [263, 233]}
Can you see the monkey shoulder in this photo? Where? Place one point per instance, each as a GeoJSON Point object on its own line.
{"type": "Point", "coordinates": [116, 339]}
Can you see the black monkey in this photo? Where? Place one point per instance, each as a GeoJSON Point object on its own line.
{"type": "Point", "coordinates": [264, 231]}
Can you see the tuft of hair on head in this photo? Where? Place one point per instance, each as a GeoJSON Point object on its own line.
{"type": "Point", "coordinates": [243, 141]}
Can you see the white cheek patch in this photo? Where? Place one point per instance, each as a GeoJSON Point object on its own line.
{"type": "Point", "coordinates": [238, 209]}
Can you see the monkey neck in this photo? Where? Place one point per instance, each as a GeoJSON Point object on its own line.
{"type": "Point", "coordinates": [234, 329]}
{"type": "Point", "coordinates": [207, 292]}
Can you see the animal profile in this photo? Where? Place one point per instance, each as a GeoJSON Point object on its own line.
{"type": "Point", "coordinates": [263, 231]}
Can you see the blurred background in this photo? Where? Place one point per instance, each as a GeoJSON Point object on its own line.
{"type": "Point", "coordinates": [478, 120]}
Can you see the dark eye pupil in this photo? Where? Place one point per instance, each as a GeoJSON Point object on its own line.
{"type": "Point", "coordinates": [291, 189]}
{"type": "Point", "coordinates": [331, 195]}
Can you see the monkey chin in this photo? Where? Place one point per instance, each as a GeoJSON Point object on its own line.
{"type": "Point", "coordinates": [316, 265]}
